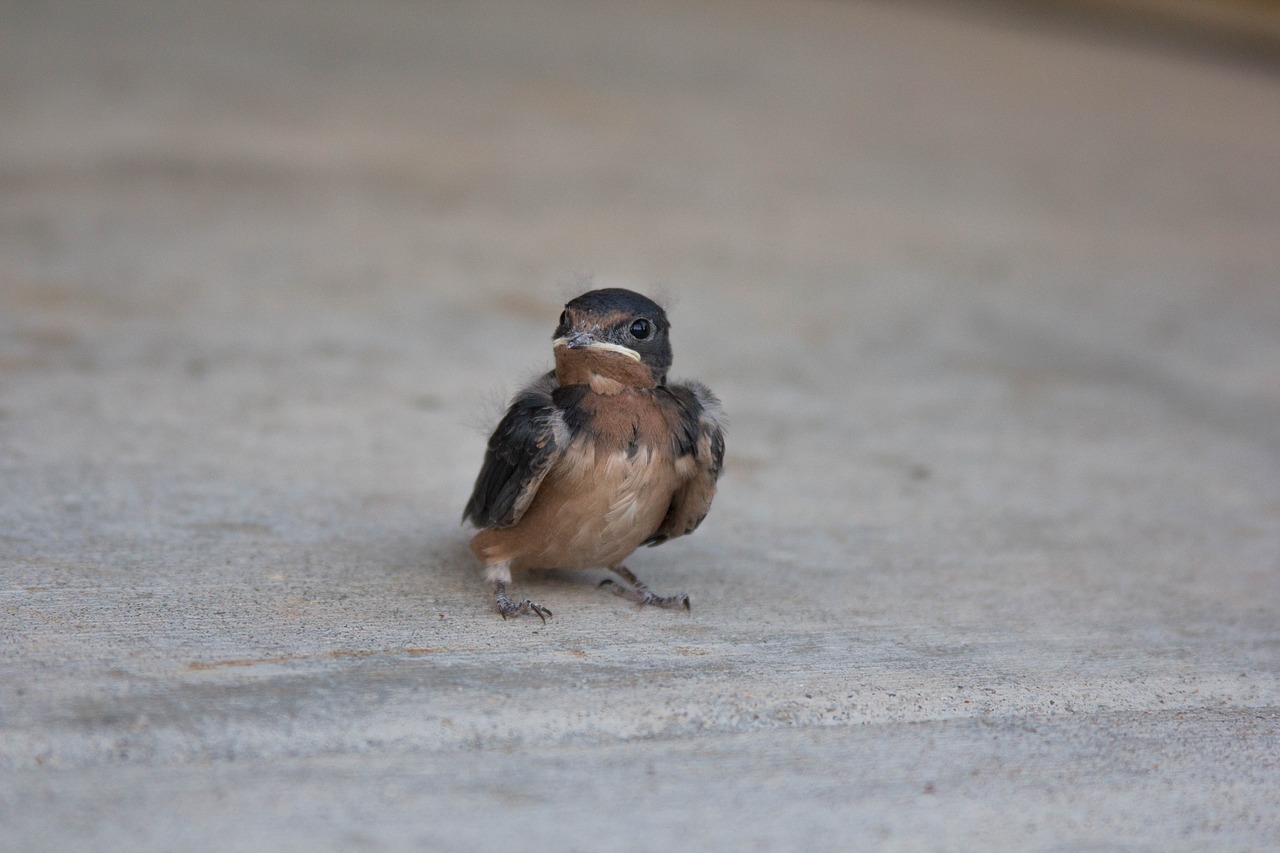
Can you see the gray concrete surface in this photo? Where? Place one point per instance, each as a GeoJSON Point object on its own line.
{"type": "Point", "coordinates": [995, 311]}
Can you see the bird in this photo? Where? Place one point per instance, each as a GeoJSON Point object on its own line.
{"type": "Point", "coordinates": [597, 457]}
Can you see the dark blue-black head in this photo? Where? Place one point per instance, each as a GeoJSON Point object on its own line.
{"type": "Point", "coordinates": [622, 322]}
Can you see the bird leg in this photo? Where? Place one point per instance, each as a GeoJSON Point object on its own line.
{"type": "Point", "coordinates": [507, 607]}
{"type": "Point", "coordinates": [637, 591]}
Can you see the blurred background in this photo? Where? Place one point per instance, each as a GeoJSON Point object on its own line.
{"type": "Point", "coordinates": [361, 177]}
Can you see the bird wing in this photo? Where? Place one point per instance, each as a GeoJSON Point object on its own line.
{"type": "Point", "coordinates": [697, 424]}
{"type": "Point", "coordinates": [528, 440]}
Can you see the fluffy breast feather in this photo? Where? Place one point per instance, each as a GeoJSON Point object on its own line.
{"type": "Point", "coordinates": [592, 511]}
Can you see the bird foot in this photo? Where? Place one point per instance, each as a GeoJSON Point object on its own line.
{"type": "Point", "coordinates": [507, 607]}
{"type": "Point", "coordinates": [642, 595]}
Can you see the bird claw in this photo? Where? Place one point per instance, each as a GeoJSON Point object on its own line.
{"type": "Point", "coordinates": [507, 607]}
{"type": "Point", "coordinates": [523, 608]}
{"type": "Point", "coordinates": [642, 595]}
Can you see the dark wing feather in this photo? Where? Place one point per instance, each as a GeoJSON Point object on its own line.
{"type": "Point", "coordinates": [527, 441]}
{"type": "Point", "coordinates": [697, 426]}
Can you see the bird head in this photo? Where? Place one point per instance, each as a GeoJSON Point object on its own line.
{"type": "Point", "coordinates": [615, 331]}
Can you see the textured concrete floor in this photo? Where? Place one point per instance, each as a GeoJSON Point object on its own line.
{"type": "Point", "coordinates": [995, 310]}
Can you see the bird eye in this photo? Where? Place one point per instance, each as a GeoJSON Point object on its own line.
{"type": "Point", "coordinates": [564, 318]}
{"type": "Point", "coordinates": [640, 329]}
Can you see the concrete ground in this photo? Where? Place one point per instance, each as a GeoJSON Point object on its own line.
{"type": "Point", "coordinates": [994, 307]}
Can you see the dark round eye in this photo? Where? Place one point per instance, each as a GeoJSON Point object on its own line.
{"type": "Point", "coordinates": [640, 329]}
{"type": "Point", "coordinates": [564, 318]}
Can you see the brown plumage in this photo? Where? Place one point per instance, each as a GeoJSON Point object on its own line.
{"type": "Point", "coordinates": [599, 456]}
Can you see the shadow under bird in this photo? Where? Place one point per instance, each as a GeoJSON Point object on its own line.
{"type": "Point", "coordinates": [599, 456]}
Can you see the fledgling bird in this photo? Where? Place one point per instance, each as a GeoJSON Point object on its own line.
{"type": "Point", "coordinates": [599, 456]}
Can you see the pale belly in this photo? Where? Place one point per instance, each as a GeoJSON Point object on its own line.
{"type": "Point", "coordinates": [588, 513]}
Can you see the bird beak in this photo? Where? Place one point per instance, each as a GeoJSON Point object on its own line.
{"type": "Point", "coordinates": [585, 340]}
